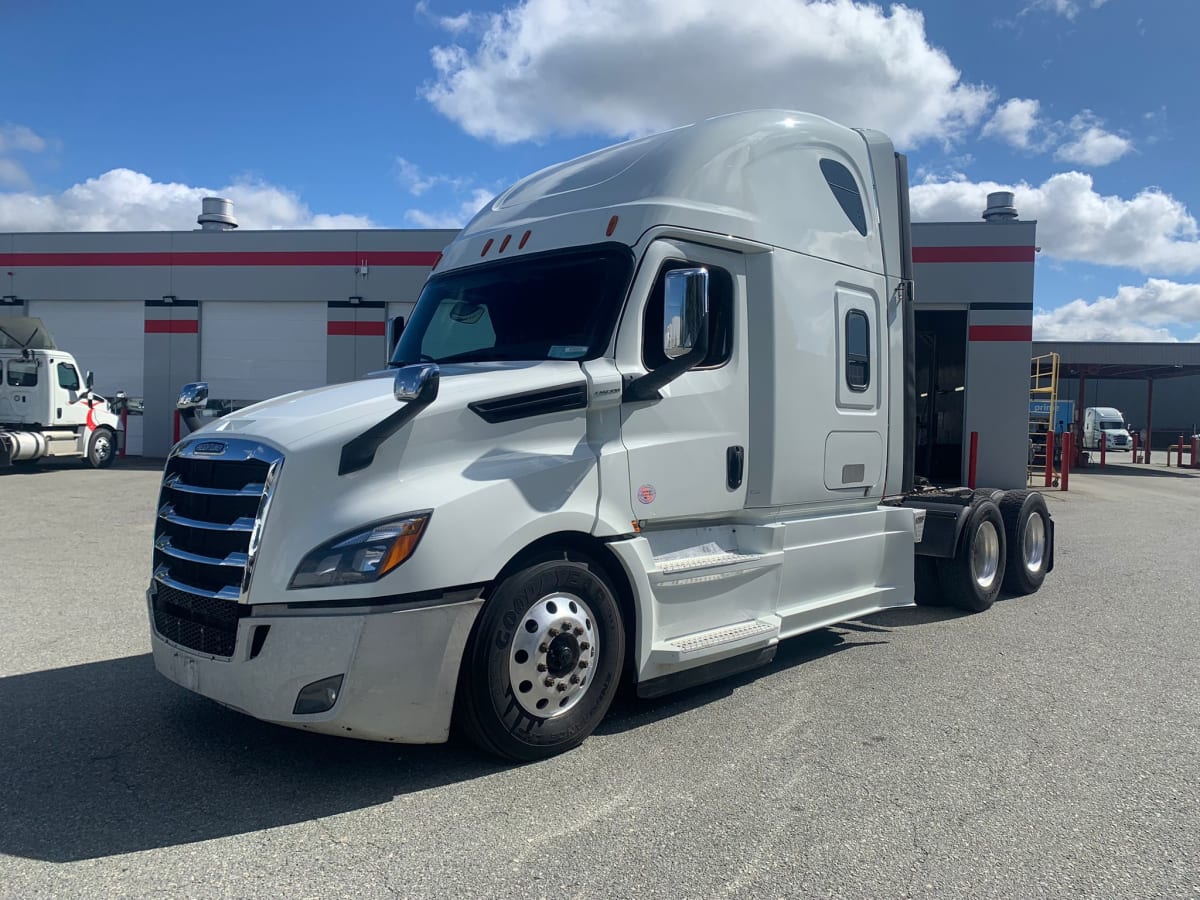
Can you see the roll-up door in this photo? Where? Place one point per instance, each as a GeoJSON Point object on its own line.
{"type": "Point", "coordinates": [253, 350]}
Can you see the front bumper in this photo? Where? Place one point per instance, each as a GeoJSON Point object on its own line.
{"type": "Point", "coordinates": [400, 667]}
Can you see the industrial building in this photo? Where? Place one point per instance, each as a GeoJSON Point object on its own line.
{"type": "Point", "coordinates": [260, 313]}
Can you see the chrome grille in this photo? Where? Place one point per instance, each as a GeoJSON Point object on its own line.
{"type": "Point", "coordinates": [210, 516]}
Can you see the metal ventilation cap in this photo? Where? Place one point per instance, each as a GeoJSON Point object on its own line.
{"type": "Point", "coordinates": [1000, 207]}
{"type": "Point", "coordinates": [216, 214]}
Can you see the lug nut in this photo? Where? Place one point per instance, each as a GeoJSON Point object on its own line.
{"type": "Point", "coordinates": [553, 632]}
{"type": "Point", "coordinates": [549, 682]}
{"type": "Point", "coordinates": [543, 648]}
{"type": "Point", "coordinates": [583, 664]}
{"type": "Point", "coordinates": [562, 686]}
{"type": "Point", "coordinates": [541, 667]}
{"type": "Point", "coordinates": [574, 679]}
{"type": "Point", "coordinates": [584, 645]}
{"type": "Point", "coordinates": [578, 631]}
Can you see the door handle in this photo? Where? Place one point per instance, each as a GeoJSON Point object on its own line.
{"type": "Point", "coordinates": [735, 464]}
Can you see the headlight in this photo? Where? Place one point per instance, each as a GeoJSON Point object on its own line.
{"type": "Point", "coordinates": [362, 556]}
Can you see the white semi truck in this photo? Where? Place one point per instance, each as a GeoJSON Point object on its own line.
{"type": "Point", "coordinates": [652, 414]}
{"type": "Point", "coordinates": [47, 410]}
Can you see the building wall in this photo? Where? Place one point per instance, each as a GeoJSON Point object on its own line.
{"type": "Point", "coordinates": [360, 278]}
{"type": "Point", "coordinates": [986, 268]}
{"type": "Point", "coordinates": [352, 275]}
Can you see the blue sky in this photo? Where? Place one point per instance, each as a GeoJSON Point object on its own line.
{"type": "Point", "coordinates": [412, 114]}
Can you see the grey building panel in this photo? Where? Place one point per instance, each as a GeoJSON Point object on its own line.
{"type": "Point", "coordinates": [425, 239]}
{"type": "Point", "coordinates": [317, 283]}
{"type": "Point", "coordinates": [997, 407]}
{"type": "Point", "coordinates": [1119, 353]}
{"type": "Point", "coordinates": [965, 283]}
{"type": "Point", "coordinates": [1020, 233]}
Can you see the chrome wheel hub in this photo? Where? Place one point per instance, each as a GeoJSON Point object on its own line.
{"type": "Point", "coordinates": [985, 555]}
{"type": "Point", "coordinates": [553, 655]}
{"type": "Point", "coordinates": [1034, 549]}
{"type": "Point", "coordinates": [103, 447]}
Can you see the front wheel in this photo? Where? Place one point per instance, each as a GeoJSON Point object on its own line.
{"type": "Point", "coordinates": [102, 448]}
{"type": "Point", "coordinates": [543, 661]}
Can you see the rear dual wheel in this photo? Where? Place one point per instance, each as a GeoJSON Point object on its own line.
{"type": "Point", "coordinates": [1028, 534]}
{"type": "Point", "coordinates": [971, 579]}
{"type": "Point", "coordinates": [543, 661]}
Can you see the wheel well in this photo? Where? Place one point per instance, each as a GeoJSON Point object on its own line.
{"type": "Point", "coordinates": [576, 542]}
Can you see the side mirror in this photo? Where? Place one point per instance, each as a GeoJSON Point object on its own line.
{"type": "Point", "coordinates": [685, 311]}
{"type": "Point", "coordinates": [417, 384]}
{"type": "Point", "coordinates": [89, 379]}
{"type": "Point", "coordinates": [192, 398]}
{"type": "Point", "coordinates": [193, 395]}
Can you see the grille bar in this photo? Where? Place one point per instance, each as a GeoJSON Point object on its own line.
{"type": "Point", "coordinates": [168, 514]}
{"type": "Point", "coordinates": [233, 559]}
{"type": "Point", "coordinates": [176, 483]}
{"type": "Point", "coordinates": [163, 576]}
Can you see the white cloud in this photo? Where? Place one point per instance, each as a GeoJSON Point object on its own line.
{"type": "Point", "coordinates": [623, 67]}
{"type": "Point", "coordinates": [13, 174]}
{"type": "Point", "coordinates": [1151, 232]}
{"type": "Point", "coordinates": [1069, 9]}
{"type": "Point", "coordinates": [124, 200]}
{"type": "Point", "coordinates": [1092, 146]}
{"type": "Point", "coordinates": [456, 217]}
{"type": "Point", "coordinates": [416, 181]}
{"type": "Point", "coordinates": [18, 137]}
{"type": "Point", "coordinates": [1014, 122]}
{"type": "Point", "coordinates": [1136, 313]}
{"type": "Point", "coordinates": [453, 24]}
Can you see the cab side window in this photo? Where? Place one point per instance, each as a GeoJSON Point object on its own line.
{"type": "Point", "coordinates": [68, 378]}
{"type": "Point", "coordinates": [720, 316]}
{"type": "Point", "coordinates": [22, 373]}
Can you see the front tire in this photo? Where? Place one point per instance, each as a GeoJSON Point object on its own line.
{"type": "Point", "coordinates": [1028, 537]}
{"type": "Point", "coordinates": [543, 662]}
{"type": "Point", "coordinates": [971, 579]}
{"type": "Point", "coordinates": [102, 448]}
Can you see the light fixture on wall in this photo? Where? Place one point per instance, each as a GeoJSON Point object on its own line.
{"type": "Point", "coordinates": [356, 300]}
{"type": "Point", "coordinates": [169, 298]}
{"type": "Point", "coordinates": [10, 299]}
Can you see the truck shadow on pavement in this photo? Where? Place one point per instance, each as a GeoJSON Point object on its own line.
{"type": "Point", "coordinates": [108, 758]}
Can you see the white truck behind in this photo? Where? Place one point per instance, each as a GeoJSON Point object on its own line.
{"type": "Point", "coordinates": [47, 409]}
{"type": "Point", "coordinates": [652, 413]}
{"type": "Point", "coordinates": [1107, 423]}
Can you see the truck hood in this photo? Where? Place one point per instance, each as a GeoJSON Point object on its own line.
{"type": "Point", "coordinates": [341, 411]}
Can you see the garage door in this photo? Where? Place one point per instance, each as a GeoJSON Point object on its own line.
{"type": "Point", "coordinates": [106, 336]}
{"type": "Point", "coordinates": [256, 350]}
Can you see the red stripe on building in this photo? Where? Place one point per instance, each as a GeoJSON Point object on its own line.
{"type": "Point", "coordinates": [972, 254]}
{"type": "Point", "coordinates": [357, 329]}
{"type": "Point", "coordinates": [172, 326]}
{"type": "Point", "coordinates": [1000, 333]}
{"type": "Point", "coordinates": [425, 258]}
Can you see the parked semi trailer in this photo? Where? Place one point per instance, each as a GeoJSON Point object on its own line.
{"type": "Point", "coordinates": [47, 410]}
{"type": "Point", "coordinates": [653, 413]}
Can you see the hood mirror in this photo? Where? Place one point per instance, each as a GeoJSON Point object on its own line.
{"type": "Point", "coordinates": [417, 384]}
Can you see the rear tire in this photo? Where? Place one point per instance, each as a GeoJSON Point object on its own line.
{"type": "Point", "coordinates": [543, 661]}
{"type": "Point", "coordinates": [1028, 538]}
{"type": "Point", "coordinates": [102, 448]}
{"type": "Point", "coordinates": [972, 578]}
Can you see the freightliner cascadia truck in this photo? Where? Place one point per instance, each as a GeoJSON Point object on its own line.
{"type": "Point", "coordinates": [47, 409]}
{"type": "Point", "coordinates": [653, 412]}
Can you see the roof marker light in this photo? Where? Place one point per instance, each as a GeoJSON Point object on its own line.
{"type": "Point", "coordinates": [486, 247]}
{"type": "Point", "coordinates": [504, 243]}
{"type": "Point", "coordinates": [524, 240]}
{"type": "Point", "coordinates": [612, 226]}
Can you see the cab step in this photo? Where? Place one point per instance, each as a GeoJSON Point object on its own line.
{"type": "Point", "coordinates": [723, 641]}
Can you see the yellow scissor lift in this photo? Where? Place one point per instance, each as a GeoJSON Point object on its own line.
{"type": "Point", "coordinates": [1043, 389]}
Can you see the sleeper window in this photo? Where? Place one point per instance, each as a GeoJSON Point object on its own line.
{"type": "Point", "coordinates": [858, 350]}
{"type": "Point", "coordinates": [22, 373]}
{"type": "Point", "coordinates": [845, 191]}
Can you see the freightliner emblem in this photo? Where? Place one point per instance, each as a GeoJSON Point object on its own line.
{"type": "Point", "coordinates": [209, 447]}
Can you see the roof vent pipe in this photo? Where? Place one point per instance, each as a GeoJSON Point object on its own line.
{"type": "Point", "coordinates": [1000, 207]}
{"type": "Point", "coordinates": [216, 214]}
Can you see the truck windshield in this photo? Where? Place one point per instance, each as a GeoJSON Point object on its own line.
{"type": "Point", "coordinates": [556, 305]}
{"type": "Point", "coordinates": [1111, 426]}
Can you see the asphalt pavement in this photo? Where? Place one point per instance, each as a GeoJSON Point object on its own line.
{"type": "Point", "coordinates": [1049, 747]}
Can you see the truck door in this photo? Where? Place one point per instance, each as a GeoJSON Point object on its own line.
{"type": "Point", "coordinates": [66, 395]}
{"type": "Point", "coordinates": [687, 451]}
